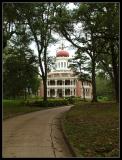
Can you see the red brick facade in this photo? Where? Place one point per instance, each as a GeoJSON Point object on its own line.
{"type": "Point", "coordinates": [78, 88]}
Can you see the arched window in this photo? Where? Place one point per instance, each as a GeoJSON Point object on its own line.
{"type": "Point", "coordinates": [64, 64]}
{"type": "Point", "coordinates": [55, 65]}
{"type": "Point", "coordinates": [61, 64]}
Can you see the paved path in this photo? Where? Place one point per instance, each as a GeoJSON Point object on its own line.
{"type": "Point", "coordinates": [35, 135]}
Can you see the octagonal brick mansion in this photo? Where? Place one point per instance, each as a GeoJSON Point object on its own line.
{"type": "Point", "coordinates": [61, 82]}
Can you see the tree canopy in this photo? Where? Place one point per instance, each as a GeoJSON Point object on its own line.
{"type": "Point", "coordinates": [92, 28]}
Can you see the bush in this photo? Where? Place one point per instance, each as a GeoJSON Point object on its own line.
{"type": "Point", "coordinates": [10, 103]}
{"type": "Point", "coordinates": [73, 100]}
{"type": "Point", "coordinates": [103, 98]}
{"type": "Point", "coordinates": [49, 103]}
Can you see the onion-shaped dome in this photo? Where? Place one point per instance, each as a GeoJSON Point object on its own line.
{"type": "Point", "coordinates": [62, 53]}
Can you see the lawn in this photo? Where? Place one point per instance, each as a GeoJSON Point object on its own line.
{"type": "Point", "coordinates": [93, 129]}
{"type": "Point", "coordinates": [12, 108]}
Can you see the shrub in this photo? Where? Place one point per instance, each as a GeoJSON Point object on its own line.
{"type": "Point", "coordinates": [73, 100]}
{"type": "Point", "coordinates": [50, 103]}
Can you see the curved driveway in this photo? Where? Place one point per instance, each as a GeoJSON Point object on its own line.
{"type": "Point", "coordinates": [35, 135]}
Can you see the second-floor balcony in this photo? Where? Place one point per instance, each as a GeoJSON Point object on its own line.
{"type": "Point", "coordinates": [55, 83]}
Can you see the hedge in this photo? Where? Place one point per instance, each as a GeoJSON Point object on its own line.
{"type": "Point", "coordinates": [49, 103]}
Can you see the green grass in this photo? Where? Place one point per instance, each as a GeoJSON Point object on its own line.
{"type": "Point", "coordinates": [13, 108]}
{"type": "Point", "coordinates": [93, 129]}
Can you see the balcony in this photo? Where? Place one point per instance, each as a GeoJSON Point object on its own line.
{"type": "Point", "coordinates": [61, 86]}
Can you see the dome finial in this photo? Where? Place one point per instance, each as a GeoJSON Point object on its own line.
{"type": "Point", "coordinates": [62, 45]}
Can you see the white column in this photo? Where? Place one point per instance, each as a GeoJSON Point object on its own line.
{"type": "Point", "coordinates": [49, 92]}
{"type": "Point", "coordinates": [55, 82]}
{"type": "Point", "coordinates": [55, 92]}
{"type": "Point", "coordinates": [64, 92]}
{"type": "Point", "coordinates": [63, 82]}
{"type": "Point", "coordinates": [49, 82]}
{"type": "Point", "coordinates": [64, 87]}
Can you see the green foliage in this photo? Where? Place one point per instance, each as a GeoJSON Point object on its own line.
{"type": "Point", "coordinates": [79, 64]}
{"type": "Point", "coordinates": [92, 27]}
{"type": "Point", "coordinates": [13, 108]}
{"type": "Point", "coordinates": [35, 24]}
{"type": "Point", "coordinates": [19, 73]}
{"type": "Point", "coordinates": [104, 88]}
{"type": "Point", "coordinates": [17, 107]}
{"type": "Point", "coordinates": [97, 37]}
{"type": "Point", "coordinates": [70, 99]}
{"type": "Point", "coordinates": [50, 103]}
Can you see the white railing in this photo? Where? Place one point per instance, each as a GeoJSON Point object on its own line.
{"type": "Point", "coordinates": [86, 86]}
{"type": "Point", "coordinates": [61, 86]}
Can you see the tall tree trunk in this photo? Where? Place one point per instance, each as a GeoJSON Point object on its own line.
{"type": "Point", "coordinates": [25, 95]}
{"type": "Point", "coordinates": [94, 99]}
{"type": "Point", "coordinates": [83, 92]}
{"type": "Point", "coordinates": [45, 77]}
{"type": "Point", "coordinates": [45, 89]}
{"type": "Point", "coordinates": [115, 72]}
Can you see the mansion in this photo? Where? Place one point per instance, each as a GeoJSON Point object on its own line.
{"type": "Point", "coordinates": [62, 82]}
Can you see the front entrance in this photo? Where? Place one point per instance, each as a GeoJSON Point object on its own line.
{"type": "Point", "coordinates": [59, 92]}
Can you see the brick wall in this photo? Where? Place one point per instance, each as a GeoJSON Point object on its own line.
{"type": "Point", "coordinates": [78, 88]}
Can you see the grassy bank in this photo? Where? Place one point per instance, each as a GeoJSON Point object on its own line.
{"type": "Point", "coordinates": [93, 129]}
{"type": "Point", "coordinates": [12, 108]}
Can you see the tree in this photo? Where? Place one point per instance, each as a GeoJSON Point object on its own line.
{"type": "Point", "coordinates": [79, 66]}
{"type": "Point", "coordinates": [39, 17]}
{"type": "Point", "coordinates": [86, 31]}
{"type": "Point", "coordinates": [18, 73]}
{"type": "Point", "coordinates": [109, 36]}
{"type": "Point", "coordinates": [82, 27]}
{"type": "Point", "coordinates": [11, 22]}
{"type": "Point", "coordinates": [36, 19]}
{"type": "Point", "coordinates": [85, 15]}
{"type": "Point", "coordinates": [105, 89]}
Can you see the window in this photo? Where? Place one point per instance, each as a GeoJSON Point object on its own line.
{"type": "Point", "coordinates": [61, 64]}
{"type": "Point", "coordinates": [59, 82]}
{"type": "Point", "coordinates": [67, 82]}
{"type": "Point", "coordinates": [74, 82]}
{"type": "Point", "coordinates": [87, 92]}
{"type": "Point", "coordinates": [64, 64]}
